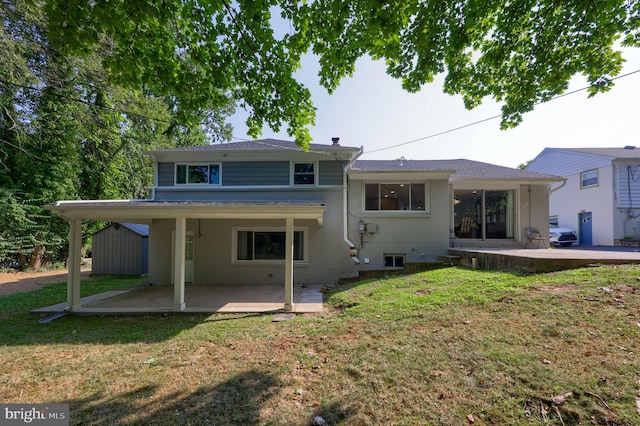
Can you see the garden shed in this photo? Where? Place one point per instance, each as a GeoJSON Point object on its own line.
{"type": "Point", "coordinates": [121, 249]}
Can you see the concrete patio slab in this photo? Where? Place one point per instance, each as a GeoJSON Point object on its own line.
{"type": "Point", "coordinates": [543, 260]}
{"type": "Point", "coordinates": [198, 298]}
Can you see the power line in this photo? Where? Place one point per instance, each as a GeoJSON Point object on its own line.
{"type": "Point", "coordinates": [444, 132]}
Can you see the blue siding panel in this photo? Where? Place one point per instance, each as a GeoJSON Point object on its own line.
{"type": "Point", "coordinates": [252, 173]}
{"type": "Point", "coordinates": [330, 173]}
{"type": "Point", "coordinates": [165, 174]}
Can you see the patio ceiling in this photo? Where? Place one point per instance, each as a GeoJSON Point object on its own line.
{"type": "Point", "coordinates": [141, 210]}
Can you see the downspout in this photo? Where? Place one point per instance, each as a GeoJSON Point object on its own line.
{"type": "Point", "coordinates": [564, 182]}
{"type": "Point", "coordinates": [345, 200]}
{"type": "Point", "coordinates": [155, 176]}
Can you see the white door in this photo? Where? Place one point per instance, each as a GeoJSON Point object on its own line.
{"type": "Point", "coordinates": [189, 255]}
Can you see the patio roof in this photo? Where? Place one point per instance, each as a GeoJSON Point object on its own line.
{"type": "Point", "coordinates": [146, 210]}
{"type": "Point", "coordinates": [136, 210]}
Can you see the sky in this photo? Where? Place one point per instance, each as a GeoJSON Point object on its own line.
{"type": "Point", "coordinates": [370, 109]}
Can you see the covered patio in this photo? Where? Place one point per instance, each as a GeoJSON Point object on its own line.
{"type": "Point", "coordinates": [147, 298]}
{"type": "Point", "coordinates": [179, 297]}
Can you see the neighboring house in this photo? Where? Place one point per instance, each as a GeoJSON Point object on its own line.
{"type": "Point", "coordinates": [265, 212]}
{"type": "Point", "coordinates": [120, 249]}
{"type": "Point", "coordinates": [601, 196]}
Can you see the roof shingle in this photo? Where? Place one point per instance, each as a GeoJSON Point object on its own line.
{"type": "Point", "coordinates": [466, 169]}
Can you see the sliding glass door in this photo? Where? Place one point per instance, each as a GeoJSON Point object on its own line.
{"type": "Point", "coordinates": [483, 214]}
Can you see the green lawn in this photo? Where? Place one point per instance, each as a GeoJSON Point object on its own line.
{"type": "Point", "coordinates": [448, 346]}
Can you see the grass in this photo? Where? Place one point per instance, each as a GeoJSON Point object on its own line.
{"type": "Point", "coordinates": [439, 347]}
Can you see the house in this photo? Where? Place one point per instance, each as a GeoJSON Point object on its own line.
{"type": "Point", "coordinates": [600, 197]}
{"type": "Point", "coordinates": [120, 249]}
{"type": "Point", "coordinates": [266, 212]}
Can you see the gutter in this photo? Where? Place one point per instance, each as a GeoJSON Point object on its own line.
{"type": "Point", "coordinates": [345, 222]}
{"type": "Point", "coordinates": [564, 182]}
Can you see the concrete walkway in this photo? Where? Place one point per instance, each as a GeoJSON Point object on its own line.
{"type": "Point", "coordinates": [198, 298]}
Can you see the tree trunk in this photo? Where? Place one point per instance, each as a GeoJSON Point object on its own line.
{"type": "Point", "coordinates": [35, 262]}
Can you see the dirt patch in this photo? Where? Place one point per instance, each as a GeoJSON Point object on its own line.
{"type": "Point", "coordinates": [23, 282]}
{"type": "Point", "coordinates": [558, 288]}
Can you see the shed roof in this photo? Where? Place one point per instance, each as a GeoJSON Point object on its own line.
{"type": "Point", "coordinates": [138, 228]}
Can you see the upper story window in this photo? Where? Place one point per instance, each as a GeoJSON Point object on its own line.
{"type": "Point", "coordinates": [589, 178]}
{"type": "Point", "coordinates": [198, 174]}
{"type": "Point", "coordinates": [395, 196]}
{"type": "Point", "coordinates": [304, 173]}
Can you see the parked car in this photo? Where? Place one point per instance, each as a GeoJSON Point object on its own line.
{"type": "Point", "coordinates": [560, 236]}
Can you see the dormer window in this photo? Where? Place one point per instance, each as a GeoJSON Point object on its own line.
{"type": "Point", "coordinates": [198, 174]}
{"type": "Point", "coordinates": [304, 173]}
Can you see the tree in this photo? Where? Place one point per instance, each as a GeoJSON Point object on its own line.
{"type": "Point", "coordinates": [519, 53]}
{"type": "Point", "coordinates": [69, 132]}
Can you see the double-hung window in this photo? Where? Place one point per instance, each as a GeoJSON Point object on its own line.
{"type": "Point", "coordinates": [589, 179]}
{"type": "Point", "coordinates": [396, 196]}
{"type": "Point", "coordinates": [198, 174]}
{"type": "Point", "coordinates": [267, 245]}
{"type": "Point", "coordinates": [304, 173]}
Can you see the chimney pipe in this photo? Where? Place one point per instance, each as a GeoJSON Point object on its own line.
{"type": "Point", "coordinates": [336, 141]}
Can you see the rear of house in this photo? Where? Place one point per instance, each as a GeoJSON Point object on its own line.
{"type": "Point", "coordinates": [267, 212]}
{"type": "Point", "coordinates": [234, 250]}
{"type": "Point", "coordinates": [411, 211]}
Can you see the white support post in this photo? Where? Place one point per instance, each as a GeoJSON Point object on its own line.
{"type": "Point", "coordinates": [288, 265]}
{"type": "Point", "coordinates": [73, 264]}
{"type": "Point", "coordinates": [179, 273]}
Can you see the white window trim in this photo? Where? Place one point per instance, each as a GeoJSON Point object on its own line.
{"type": "Point", "coordinates": [427, 200]}
{"type": "Point", "coordinates": [384, 259]}
{"type": "Point", "coordinates": [234, 245]}
{"type": "Point", "coordinates": [197, 163]}
{"type": "Point", "coordinates": [597, 172]}
{"type": "Point", "coordinates": [316, 174]}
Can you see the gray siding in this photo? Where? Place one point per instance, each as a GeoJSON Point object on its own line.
{"type": "Point", "coordinates": [243, 194]}
{"type": "Point", "coordinates": [165, 174]}
{"type": "Point", "coordinates": [117, 250]}
{"type": "Point", "coordinates": [419, 236]}
{"type": "Point", "coordinates": [258, 173]}
{"type": "Point", "coordinates": [330, 173]}
{"type": "Point", "coordinates": [328, 255]}
{"type": "Point", "coordinates": [628, 186]}
{"type": "Point", "coordinates": [252, 173]}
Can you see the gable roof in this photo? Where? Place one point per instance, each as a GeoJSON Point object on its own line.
{"type": "Point", "coordinates": [571, 161]}
{"type": "Point", "coordinates": [461, 168]}
{"type": "Point", "coordinates": [257, 145]}
{"type": "Point", "coordinates": [138, 228]}
{"type": "Point", "coordinates": [624, 152]}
